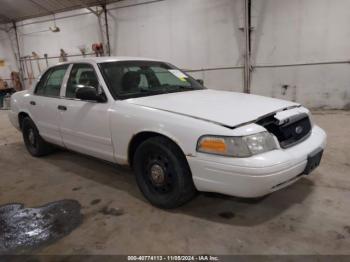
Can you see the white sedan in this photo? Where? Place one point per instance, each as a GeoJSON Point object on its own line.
{"type": "Point", "coordinates": [178, 136]}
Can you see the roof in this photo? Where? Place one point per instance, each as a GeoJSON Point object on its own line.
{"type": "Point", "coordinates": [110, 59]}
{"type": "Point", "coordinates": [102, 59]}
{"type": "Point", "coordinates": [118, 58]}
{"type": "Point", "coordinates": [17, 10]}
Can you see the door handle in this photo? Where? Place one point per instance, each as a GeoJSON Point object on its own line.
{"type": "Point", "coordinates": [63, 108]}
{"type": "Point", "coordinates": [32, 103]}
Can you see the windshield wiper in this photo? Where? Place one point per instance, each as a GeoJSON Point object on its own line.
{"type": "Point", "coordinates": [173, 88]}
{"type": "Point", "coordinates": [150, 92]}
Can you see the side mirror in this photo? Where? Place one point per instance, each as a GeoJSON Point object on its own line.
{"type": "Point", "coordinates": [200, 81]}
{"type": "Point", "coordinates": [89, 93]}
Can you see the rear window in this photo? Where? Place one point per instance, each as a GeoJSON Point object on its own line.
{"type": "Point", "coordinates": [50, 83]}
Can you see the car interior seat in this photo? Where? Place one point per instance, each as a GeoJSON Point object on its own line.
{"type": "Point", "coordinates": [131, 81]}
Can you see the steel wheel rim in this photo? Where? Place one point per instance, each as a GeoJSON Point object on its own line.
{"type": "Point", "coordinates": [159, 174]}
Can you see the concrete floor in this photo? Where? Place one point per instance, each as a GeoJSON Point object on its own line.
{"type": "Point", "coordinates": [309, 217]}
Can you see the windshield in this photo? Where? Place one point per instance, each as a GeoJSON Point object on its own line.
{"type": "Point", "coordinates": [130, 79]}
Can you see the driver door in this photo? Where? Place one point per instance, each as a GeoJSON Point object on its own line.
{"type": "Point", "coordinates": [85, 124]}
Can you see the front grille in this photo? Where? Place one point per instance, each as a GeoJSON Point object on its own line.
{"type": "Point", "coordinates": [293, 131]}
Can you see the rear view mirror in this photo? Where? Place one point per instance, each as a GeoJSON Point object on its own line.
{"type": "Point", "coordinates": [200, 81]}
{"type": "Point", "coordinates": [89, 93]}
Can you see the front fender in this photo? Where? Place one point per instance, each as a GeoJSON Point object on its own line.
{"type": "Point", "coordinates": [128, 120]}
{"type": "Point", "coordinates": [17, 107]}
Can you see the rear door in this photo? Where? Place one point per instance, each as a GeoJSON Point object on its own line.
{"type": "Point", "coordinates": [85, 124]}
{"type": "Point", "coordinates": [43, 105]}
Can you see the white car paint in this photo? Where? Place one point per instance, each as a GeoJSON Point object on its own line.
{"type": "Point", "coordinates": [105, 130]}
{"type": "Point", "coordinates": [217, 106]}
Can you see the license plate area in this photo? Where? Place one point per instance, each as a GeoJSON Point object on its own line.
{"type": "Point", "coordinates": [313, 161]}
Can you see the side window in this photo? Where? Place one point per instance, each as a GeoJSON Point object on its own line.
{"type": "Point", "coordinates": [40, 87]}
{"type": "Point", "coordinates": [81, 75]}
{"type": "Point", "coordinates": [50, 83]}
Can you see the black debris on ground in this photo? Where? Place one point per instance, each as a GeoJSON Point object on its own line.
{"type": "Point", "coordinates": [95, 202]}
{"type": "Point", "coordinates": [24, 229]}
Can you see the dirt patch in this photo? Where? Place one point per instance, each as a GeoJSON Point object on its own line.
{"type": "Point", "coordinates": [347, 229]}
{"type": "Point", "coordinates": [95, 202]}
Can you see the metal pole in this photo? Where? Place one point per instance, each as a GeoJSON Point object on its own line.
{"type": "Point", "coordinates": [21, 70]}
{"type": "Point", "coordinates": [107, 31]}
{"type": "Point", "coordinates": [304, 64]}
{"type": "Point", "coordinates": [247, 4]}
{"type": "Point", "coordinates": [212, 69]}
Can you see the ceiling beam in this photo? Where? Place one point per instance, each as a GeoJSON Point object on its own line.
{"type": "Point", "coordinates": [6, 18]}
{"type": "Point", "coordinates": [45, 10]}
{"type": "Point", "coordinates": [42, 7]}
{"type": "Point", "coordinates": [83, 4]}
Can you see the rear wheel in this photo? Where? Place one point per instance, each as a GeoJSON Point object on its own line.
{"type": "Point", "coordinates": [162, 173]}
{"type": "Point", "coordinates": [35, 145]}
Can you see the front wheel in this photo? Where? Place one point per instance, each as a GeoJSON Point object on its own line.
{"type": "Point", "coordinates": [35, 145]}
{"type": "Point", "coordinates": [162, 173]}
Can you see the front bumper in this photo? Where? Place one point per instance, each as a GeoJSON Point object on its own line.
{"type": "Point", "coordinates": [257, 175]}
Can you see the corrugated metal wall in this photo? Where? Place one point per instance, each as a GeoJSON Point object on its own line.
{"type": "Point", "coordinates": [292, 32]}
{"type": "Point", "coordinates": [196, 34]}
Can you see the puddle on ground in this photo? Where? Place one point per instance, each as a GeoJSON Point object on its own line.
{"type": "Point", "coordinates": [24, 229]}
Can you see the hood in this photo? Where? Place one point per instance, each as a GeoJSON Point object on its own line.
{"type": "Point", "coordinates": [225, 108]}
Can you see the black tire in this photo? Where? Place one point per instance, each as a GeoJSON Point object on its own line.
{"type": "Point", "coordinates": [35, 145]}
{"type": "Point", "coordinates": [162, 173]}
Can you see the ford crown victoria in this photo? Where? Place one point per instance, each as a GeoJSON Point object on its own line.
{"type": "Point", "coordinates": [178, 136]}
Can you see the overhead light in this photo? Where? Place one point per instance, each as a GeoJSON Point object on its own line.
{"type": "Point", "coordinates": [54, 28]}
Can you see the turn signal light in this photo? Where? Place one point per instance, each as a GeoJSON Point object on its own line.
{"type": "Point", "coordinates": [212, 145]}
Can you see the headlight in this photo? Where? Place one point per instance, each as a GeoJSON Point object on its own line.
{"type": "Point", "coordinates": [239, 146]}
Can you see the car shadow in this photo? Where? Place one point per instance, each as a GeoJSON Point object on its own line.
{"type": "Point", "coordinates": [209, 206]}
{"type": "Point", "coordinates": [244, 211]}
